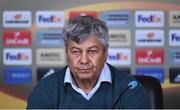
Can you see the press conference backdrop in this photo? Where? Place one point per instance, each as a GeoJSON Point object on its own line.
{"type": "Point", "coordinates": [144, 39]}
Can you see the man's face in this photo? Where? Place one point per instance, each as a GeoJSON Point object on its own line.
{"type": "Point", "coordinates": [86, 59]}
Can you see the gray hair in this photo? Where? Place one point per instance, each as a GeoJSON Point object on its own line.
{"type": "Point", "coordinates": [80, 28]}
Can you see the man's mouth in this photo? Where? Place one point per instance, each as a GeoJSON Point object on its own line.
{"type": "Point", "coordinates": [84, 70]}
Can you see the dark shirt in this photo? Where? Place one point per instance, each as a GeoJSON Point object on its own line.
{"type": "Point", "coordinates": [52, 93]}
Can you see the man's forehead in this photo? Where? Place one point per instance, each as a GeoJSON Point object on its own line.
{"type": "Point", "coordinates": [89, 43]}
{"type": "Point", "coordinates": [76, 45]}
{"type": "Point", "coordinates": [89, 40]}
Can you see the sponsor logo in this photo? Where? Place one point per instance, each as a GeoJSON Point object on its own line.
{"type": "Point", "coordinates": [174, 18]}
{"type": "Point", "coordinates": [150, 56]}
{"type": "Point", "coordinates": [116, 19]}
{"type": "Point", "coordinates": [149, 19]}
{"type": "Point", "coordinates": [44, 72]}
{"type": "Point", "coordinates": [17, 19]}
{"type": "Point", "coordinates": [174, 37]}
{"type": "Point", "coordinates": [154, 72]}
{"type": "Point", "coordinates": [119, 38]}
{"type": "Point", "coordinates": [119, 56]}
{"type": "Point", "coordinates": [82, 13]}
{"type": "Point", "coordinates": [17, 56]}
{"type": "Point", "coordinates": [49, 38]}
{"type": "Point", "coordinates": [149, 37]}
{"type": "Point", "coordinates": [17, 75]}
{"type": "Point", "coordinates": [50, 18]}
{"type": "Point", "coordinates": [17, 38]}
{"type": "Point", "coordinates": [53, 57]}
{"type": "Point", "coordinates": [174, 75]}
{"type": "Point", "coordinates": [175, 56]}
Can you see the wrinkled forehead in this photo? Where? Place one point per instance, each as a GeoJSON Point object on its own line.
{"type": "Point", "coordinates": [88, 43]}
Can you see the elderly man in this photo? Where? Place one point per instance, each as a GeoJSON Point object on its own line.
{"type": "Point", "coordinates": [87, 82]}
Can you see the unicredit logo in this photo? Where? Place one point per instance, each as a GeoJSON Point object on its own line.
{"type": "Point", "coordinates": [17, 38]}
{"type": "Point", "coordinates": [150, 56]}
{"type": "Point", "coordinates": [17, 41]}
{"type": "Point", "coordinates": [149, 60]}
{"type": "Point", "coordinates": [151, 18]}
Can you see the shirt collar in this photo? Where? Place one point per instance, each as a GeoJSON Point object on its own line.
{"type": "Point", "coordinates": [105, 76]}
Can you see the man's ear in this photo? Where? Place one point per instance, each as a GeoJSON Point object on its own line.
{"type": "Point", "coordinates": [106, 52]}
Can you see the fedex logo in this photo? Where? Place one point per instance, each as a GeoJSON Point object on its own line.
{"type": "Point", "coordinates": [118, 56]}
{"type": "Point", "coordinates": [150, 56]}
{"type": "Point", "coordinates": [17, 38]}
{"type": "Point", "coordinates": [174, 37]}
{"type": "Point", "coordinates": [149, 19]}
{"type": "Point", "coordinates": [17, 56]}
{"type": "Point", "coordinates": [50, 18]}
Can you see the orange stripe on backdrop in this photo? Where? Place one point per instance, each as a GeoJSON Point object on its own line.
{"type": "Point", "coordinates": [10, 102]}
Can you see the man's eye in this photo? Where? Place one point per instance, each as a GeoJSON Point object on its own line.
{"type": "Point", "coordinates": [75, 52]}
{"type": "Point", "coordinates": [92, 51]}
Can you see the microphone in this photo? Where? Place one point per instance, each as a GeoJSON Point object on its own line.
{"type": "Point", "coordinates": [133, 84]}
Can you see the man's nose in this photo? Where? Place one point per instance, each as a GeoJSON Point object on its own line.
{"type": "Point", "coordinates": [84, 58]}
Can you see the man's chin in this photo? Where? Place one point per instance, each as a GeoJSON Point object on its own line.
{"type": "Point", "coordinates": [85, 77]}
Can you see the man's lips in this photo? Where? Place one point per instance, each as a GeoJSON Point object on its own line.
{"type": "Point", "coordinates": [84, 70]}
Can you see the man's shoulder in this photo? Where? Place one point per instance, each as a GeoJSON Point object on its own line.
{"type": "Point", "coordinates": [119, 76]}
{"type": "Point", "coordinates": [57, 76]}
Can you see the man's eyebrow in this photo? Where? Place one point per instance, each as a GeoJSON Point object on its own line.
{"type": "Point", "coordinates": [93, 47]}
{"type": "Point", "coordinates": [75, 48]}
